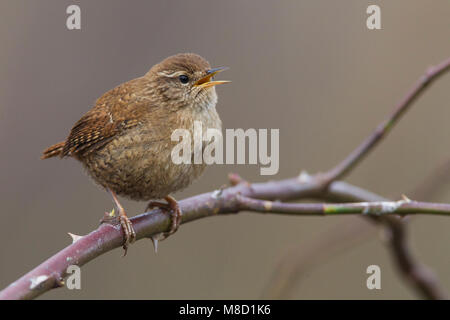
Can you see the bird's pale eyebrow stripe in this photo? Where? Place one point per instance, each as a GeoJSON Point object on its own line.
{"type": "Point", "coordinates": [171, 75]}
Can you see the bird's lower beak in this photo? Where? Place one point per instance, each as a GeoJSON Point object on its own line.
{"type": "Point", "coordinates": [206, 82]}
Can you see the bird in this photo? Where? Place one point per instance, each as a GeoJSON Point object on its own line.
{"type": "Point", "coordinates": [124, 142]}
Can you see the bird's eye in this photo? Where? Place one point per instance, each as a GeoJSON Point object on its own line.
{"type": "Point", "coordinates": [184, 78]}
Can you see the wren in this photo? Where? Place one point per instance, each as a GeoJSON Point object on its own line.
{"type": "Point", "coordinates": [124, 141]}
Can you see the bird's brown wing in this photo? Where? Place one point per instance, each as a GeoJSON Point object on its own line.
{"type": "Point", "coordinates": [92, 132]}
{"type": "Point", "coordinates": [114, 112]}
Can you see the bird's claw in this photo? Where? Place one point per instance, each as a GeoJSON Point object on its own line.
{"type": "Point", "coordinates": [128, 232]}
{"type": "Point", "coordinates": [127, 227]}
{"type": "Point", "coordinates": [174, 210]}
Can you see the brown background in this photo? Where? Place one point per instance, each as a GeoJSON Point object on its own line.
{"type": "Point", "coordinates": [310, 68]}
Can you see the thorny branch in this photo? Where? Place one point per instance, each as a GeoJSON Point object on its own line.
{"type": "Point", "coordinates": [243, 196]}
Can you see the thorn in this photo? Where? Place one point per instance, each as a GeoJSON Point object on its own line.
{"type": "Point", "coordinates": [405, 198]}
{"type": "Point", "coordinates": [304, 177]}
{"type": "Point", "coordinates": [155, 240]}
{"type": "Point", "coordinates": [268, 205]}
{"type": "Point", "coordinates": [75, 237]}
{"type": "Point", "coordinates": [155, 244]}
{"type": "Point", "coordinates": [235, 179]}
{"type": "Point", "coordinates": [37, 281]}
{"type": "Point", "coordinates": [217, 193]}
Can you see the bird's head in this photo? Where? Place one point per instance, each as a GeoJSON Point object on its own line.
{"type": "Point", "coordinates": [185, 80]}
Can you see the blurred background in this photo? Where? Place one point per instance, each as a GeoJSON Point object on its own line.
{"type": "Point", "coordinates": [310, 68]}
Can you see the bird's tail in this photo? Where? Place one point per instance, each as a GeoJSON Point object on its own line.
{"type": "Point", "coordinates": [53, 151]}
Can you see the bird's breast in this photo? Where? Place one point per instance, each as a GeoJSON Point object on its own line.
{"type": "Point", "coordinates": [138, 163]}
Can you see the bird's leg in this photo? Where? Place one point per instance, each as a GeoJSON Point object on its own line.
{"type": "Point", "coordinates": [125, 223]}
{"type": "Point", "coordinates": [174, 210]}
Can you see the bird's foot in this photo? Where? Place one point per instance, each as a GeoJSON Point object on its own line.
{"type": "Point", "coordinates": [128, 231]}
{"type": "Point", "coordinates": [121, 219]}
{"type": "Point", "coordinates": [174, 210]}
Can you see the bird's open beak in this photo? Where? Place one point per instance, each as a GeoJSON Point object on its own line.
{"type": "Point", "coordinates": [206, 82]}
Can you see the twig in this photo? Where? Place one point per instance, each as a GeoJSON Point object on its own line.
{"type": "Point", "coordinates": [352, 160]}
{"type": "Point", "coordinates": [417, 274]}
{"type": "Point", "coordinates": [401, 207]}
{"type": "Point", "coordinates": [421, 277]}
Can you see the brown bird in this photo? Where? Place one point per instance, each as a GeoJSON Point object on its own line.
{"type": "Point", "coordinates": [125, 142]}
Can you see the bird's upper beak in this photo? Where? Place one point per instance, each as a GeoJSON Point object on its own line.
{"type": "Point", "coordinates": [206, 82]}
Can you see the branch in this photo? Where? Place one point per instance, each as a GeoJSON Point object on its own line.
{"type": "Point", "coordinates": [401, 207]}
{"type": "Point", "coordinates": [352, 160]}
{"type": "Point", "coordinates": [416, 273]}
{"type": "Point", "coordinates": [419, 276]}
{"type": "Point", "coordinates": [50, 274]}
